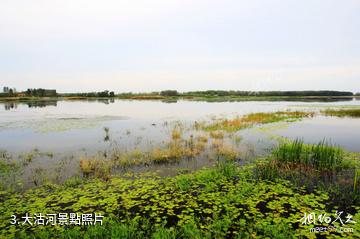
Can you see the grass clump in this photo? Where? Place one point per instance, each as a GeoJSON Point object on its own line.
{"type": "Point", "coordinates": [97, 167]}
{"type": "Point", "coordinates": [176, 134]}
{"type": "Point", "coordinates": [238, 123]}
{"type": "Point", "coordinates": [354, 113]}
{"type": "Point", "coordinates": [314, 167]}
{"type": "Point", "coordinates": [320, 156]}
{"type": "Point", "coordinates": [217, 134]}
{"type": "Point", "coordinates": [226, 153]}
{"type": "Point", "coordinates": [172, 152]}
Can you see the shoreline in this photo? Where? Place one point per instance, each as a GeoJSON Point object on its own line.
{"type": "Point", "coordinates": [175, 98]}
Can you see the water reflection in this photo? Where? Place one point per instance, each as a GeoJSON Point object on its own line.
{"type": "Point", "coordinates": [72, 124]}
{"type": "Point", "coordinates": [76, 128]}
{"type": "Point", "coordinates": [10, 106]}
{"type": "Point", "coordinates": [106, 101]}
{"type": "Point", "coordinates": [54, 103]}
{"type": "Point", "coordinates": [41, 104]}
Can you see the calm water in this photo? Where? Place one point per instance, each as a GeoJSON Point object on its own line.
{"type": "Point", "coordinates": [78, 126]}
{"type": "Point", "coordinates": [70, 130]}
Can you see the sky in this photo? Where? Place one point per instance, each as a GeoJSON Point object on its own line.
{"type": "Point", "coordinates": [144, 45]}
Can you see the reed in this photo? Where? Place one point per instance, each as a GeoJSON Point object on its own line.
{"type": "Point", "coordinates": [217, 134]}
{"type": "Point", "coordinates": [176, 134]}
{"type": "Point", "coordinates": [356, 180]}
{"type": "Point", "coordinates": [354, 113]}
{"type": "Point", "coordinates": [242, 122]}
{"type": "Point", "coordinates": [97, 167]}
{"type": "Point", "coordinates": [226, 153]}
{"type": "Point", "coordinates": [320, 156]}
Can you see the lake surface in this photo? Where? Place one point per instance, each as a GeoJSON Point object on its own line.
{"type": "Point", "coordinates": [70, 126]}
{"type": "Point", "coordinates": [73, 128]}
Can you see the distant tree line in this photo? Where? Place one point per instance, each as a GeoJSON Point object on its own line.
{"type": "Point", "coordinates": [169, 93]}
{"type": "Point", "coordinates": [267, 93]}
{"type": "Point", "coordinates": [231, 93]}
{"type": "Point", "coordinates": [7, 91]}
{"type": "Point", "coordinates": [40, 92]}
{"type": "Point", "coordinates": [104, 93]}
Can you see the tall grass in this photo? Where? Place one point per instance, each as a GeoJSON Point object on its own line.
{"type": "Point", "coordinates": [320, 166]}
{"type": "Point", "coordinates": [320, 156]}
{"type": "Point", "coordinates": [356, 180]}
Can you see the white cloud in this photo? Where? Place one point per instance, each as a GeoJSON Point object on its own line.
{"type": "Point", "coordinates": [185, 44]}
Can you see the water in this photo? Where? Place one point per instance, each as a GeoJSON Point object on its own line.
{"type": "Point", "coordinates": [71, 126]}
{"type": "Point", "coordinates": [69, 129]}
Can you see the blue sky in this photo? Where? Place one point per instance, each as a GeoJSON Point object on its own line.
{"type": "Point", "coordinates": [143, 45]}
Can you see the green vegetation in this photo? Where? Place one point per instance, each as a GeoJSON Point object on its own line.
{"type": "Point", "coordinates": [233, 199]}
{"type": "Point", "coordinates": [99, 94]}
{"type": "Point", "coordinates": [320, 156]}
{"type": "Point", "coordinates": [355, 113]}
{"type": "Point", "coordinates": [148, 97]}
{"type": "Point", "coordinates": [242, 122]}
{"type": "Point", "coordinates": [40, 93]}
{"type": "Point", "coordinates": [262, 200]}
{"type": "Point", "coordinates": [316, 167]}
{"type": "Point", "coordinates": [267, 93]}
{"type": "Point", "coordinates": [169, 93]}
{"type": "Point", "coordinates": [221, 95]}
{"type": "Point", "coordinates": [173, 95]}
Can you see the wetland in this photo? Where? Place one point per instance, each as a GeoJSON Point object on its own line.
{"type": "Point", "coordinates": [179, 169]}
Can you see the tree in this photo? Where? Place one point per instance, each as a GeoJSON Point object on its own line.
{"type": "Point", "coordinates": [169, 93]}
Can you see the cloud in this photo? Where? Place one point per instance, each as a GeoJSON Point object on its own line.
{"type": "Point", "coordinates": [317, 78]}
{"type": "Point", "coordinates": [184, 44]}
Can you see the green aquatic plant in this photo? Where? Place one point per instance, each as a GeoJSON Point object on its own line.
{"type": "Point", "coordinates": [97, 167]}
{"type": "Point", "coordinates": [319, 166]}
{"type": "Point", "coordinates": [10, 173]}
{"type": "Point", "coordinates": [320, 156]}
{"type": "Point", "coordinates": [354, 113]}
{"type": "Point", "coordinates": [356, 180]}
{"type": "Point", "coordinates": [42, 125]}
{"type": "Point", "coordinates": [242, 122]}
{"type": "Point", "coordinates": [222, 202]}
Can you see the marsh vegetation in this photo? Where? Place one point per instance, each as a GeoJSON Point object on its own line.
{"type": "Point", "coordinates": [355, 113]}
{"type": "Point", "coordinates": [264, 199]}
